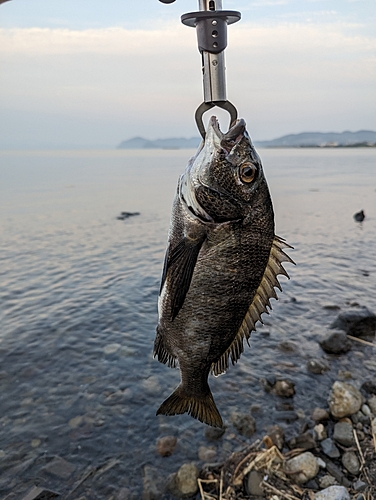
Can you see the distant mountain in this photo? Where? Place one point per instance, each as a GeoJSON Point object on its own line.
{"type": "Point", "coordinates": [172, 143]}
{"type": "Point", "coordinates": [305, 139]}
{"type": "Point", "coordinates": [322, 139]}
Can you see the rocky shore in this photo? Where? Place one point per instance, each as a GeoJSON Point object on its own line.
{"type": "Point", "coordinates": [332, 457]}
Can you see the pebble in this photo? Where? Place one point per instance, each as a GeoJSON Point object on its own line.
{"type": "Point", "coordinates": [186, 481]}
{"type": "Point", "coordinates": [304, 441]}
{"type": "Point", "coordinates": [343, 434]}
{"type": "Point", "coordinates": [303, 467]}
{"type": "Point", "coordinates": [35, 443]}
{"type": "Point", "coordinates": [214, 433]}
{"type": "Point", "coordinates": [284, 388]}
{"type": "Point", "coordinates": [252, 484]}
{"type": "Point", "coordinates": [359, 485]}
{"type": "Point", "coordinates": [333, 493]}
{"type": "Point", "coordinates": [76, 422]}
{"type": "Point", "coordinates": [319, 414]}
{"type": "Point", "coordinates": [329, 448]}
{"type": "Point", "coordinates": [166, 445]}
{"type": "Point", "coordinates": [344, 400]}
{"type": "Point", "coordinates": [351, 463]}
{"type": "Point", "coordinates": [327, 481]}
{"type": "Point", "coordinates": [206, 454]}
{"type": "Point", "coordinates": [320, 432]}
{"type": "Point", "coordinates": [287, 346]}
{"type": "Point", "coordinates": [336, 343]}
{"type": "Point", "coordinates": [317, 366]}
{"type": "Point", "coordinates": [244, 424]}
{"type": "Point", "coordinates": [372, 405]}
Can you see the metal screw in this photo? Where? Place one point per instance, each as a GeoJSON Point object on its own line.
{"type": "Point", "coordinates": [215, 62]}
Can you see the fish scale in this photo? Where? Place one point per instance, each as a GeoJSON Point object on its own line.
{"type": "Point", "coordinates": [220, 270]}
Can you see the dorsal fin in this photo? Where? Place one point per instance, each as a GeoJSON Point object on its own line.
{"type": "Point", "coordinates": [259, 305]}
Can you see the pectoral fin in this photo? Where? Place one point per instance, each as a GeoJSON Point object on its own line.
{"type": "Point", "coordinates": [178, 270]}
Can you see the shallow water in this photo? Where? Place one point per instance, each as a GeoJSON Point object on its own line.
{"type": "Point", "coordinates": [78, 295]}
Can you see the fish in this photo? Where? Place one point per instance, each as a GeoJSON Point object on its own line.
{"type": "Point", "coordinates": [220, 269]}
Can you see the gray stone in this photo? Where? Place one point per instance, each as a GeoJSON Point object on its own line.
{"type": "Point", "coordinates": [336, 343]}
{"type": "Point", "coordinates": [303, 467]}
{"type": "Point", "coordinates": [60, 468]}
{"type": "Point", "coordinates": [343, 434]}
{"type": "Point", "coordinates": [152, 483]}
{"type": "Point", "coordinates": [344, 400]}
{"type": "Point", "coordinates": [366, 410]}
{"type": "Point", "coordinates": [317, 366]}
{"type": "Point", "coordinates": [244, 424]}
{"type": "Point", "coordinates": [359, 485]}
{"type": "Point", "coordinates": [277, 436]}
{"type": "Point", "coordinates": [327, 481]}
{"type": "Point", "coordinates": [254, 479]}
{"type": "Point", "coordinates": [333, 493]}
{"type": "Point", "coordinates": [359, 322]}
{"type": "Point", "coordinates": [369, 386]}
{"type": "Point", "coordinates": [372, 405]}
{"type": "Point", "coordinates": [329, 448]}
{"type": "Point", "coordinates": [351, 463]}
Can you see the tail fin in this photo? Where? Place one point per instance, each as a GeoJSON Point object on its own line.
{"type": "Point", "coordinates": [201, 407]}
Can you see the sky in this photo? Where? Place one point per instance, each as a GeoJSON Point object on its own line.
{"type": "Point", "coordinates": [89, 74]}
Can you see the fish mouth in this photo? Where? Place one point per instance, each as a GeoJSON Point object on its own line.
{"type": "Point", "coordinates": [228, 140]}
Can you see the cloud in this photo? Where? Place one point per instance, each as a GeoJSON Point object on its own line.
{"type": "Point", "coordinates": [285, 77]}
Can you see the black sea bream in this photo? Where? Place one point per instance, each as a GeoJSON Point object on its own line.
{"type": "Point", "coordinates": [220, 268]}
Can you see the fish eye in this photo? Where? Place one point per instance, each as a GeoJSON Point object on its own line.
{"type": "Point", "coordinates": [247, 172]}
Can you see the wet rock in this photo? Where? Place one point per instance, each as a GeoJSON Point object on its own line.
{"type": "Point", "coordinates": [303, 467]}
{"type": "Point", "coordinates": [365, 409]}
{"type": "Point", "coordinates": [317, 366]}
{"type": "Point", "coordinates": [320, 432]}
{"type": "Point", "coordinates": [252, 484]}
{"type": "Point", "coordinates": [359, 323]}
{"type": "Point", "coordinates": [351, 463]}
{"type": "Point", "coordinates": [60, 468]}
{"type": "Point", "coordinates": [284, 388]}
{"type": "Point", "coordinates": [319, 415]}
{"type": "Point", "coordinates": [152, 385]}
{"type": "Point", "coordinates": [206, 454]}
{"type": "Point", "coordinates": [123, 494]}
{"type": "Point", "coordinates": [336, 343]}
{"type": "Point", "coordinates": [166, 445]}
{"type": "Point", "coordinates": [321, 462]}
{"type": "Point", "coordinates": [329, 448]}
{"type": "Point", "coordinates": [344, 375]}
{"type": "Point", "coordinates": [327, 481]}
{"type": "Point", "coordinates": [343, 434]}
{"type": "Point", "coordinates": [333, 493]}
{"type": "Point", "coordinates": [37, 493]}
{"type": "Point", "coordinates": [287, 416]}
{"type": "Point", "coordinates": [214, 433]}
{"type": "Point", "coordinates": [153, 485]}
{"type": "Point", "coordinates": [359, 485]}
{"type": "Point", "coordinates": [337, 473]}
{"type": "Point", "coordinates": [244, 424]}
{"type": "Point", "coordinates": [372, 405]}
{"type": "Point", "coordinates": [369, 386]}
{"type": "Point", "coordinates": [344, 400]}
{"type": "Point", "coordinates": [126, 215]}
{"type": "Point", "coordinates": [277, 436]}
{"type": "Point", "coordinates": [304, 441]}
{"type": "Point", "coordinates": [183, 484]}
{"type": "Point", "coordinates": [76, 421]}
{"type": "Point", "coordinates": [111, 348]}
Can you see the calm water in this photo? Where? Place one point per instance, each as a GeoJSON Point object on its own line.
{"type": "Point", "coordinates": [78, 295]}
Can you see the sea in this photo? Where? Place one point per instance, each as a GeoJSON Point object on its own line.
{"type": "Point", "coordinates": [79, 387]}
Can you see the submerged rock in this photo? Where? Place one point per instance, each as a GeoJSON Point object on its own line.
{"type": "Point", "coordinates": [344, 400]}
{"type": "Point", "coordinates": [153, 484]}
{"type": "Point", "coordinates": [244, 424]}
{"type": "Point", "coordinates": [166, 445]}
{"type": "Point", "coordinates": [284, 388]}
{"type": "Point", "coordinates": [37, 493]}
{"type": "Point", "coordinates": [304, 441]}
{"type": "Point", "coordinates": [60, 468]}
{"type": "Point", "coordinates": [319, 414]}
{"type": "Point", "coordinates": [317, 366]}
{"type": "Point", "coordinates": [336, 343]}
{"type": "Point", "coordinates": [359, 322]}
